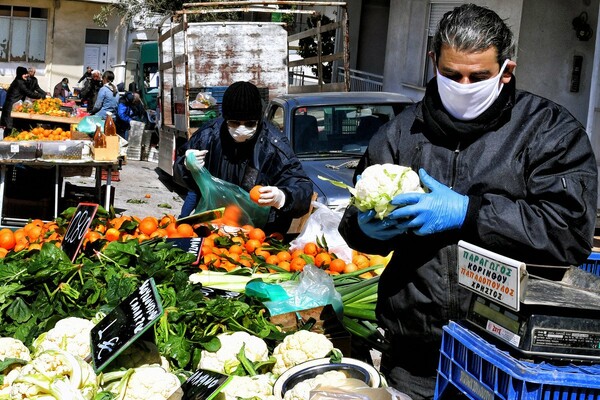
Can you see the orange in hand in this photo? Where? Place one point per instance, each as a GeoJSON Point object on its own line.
{"type": "Point", "coordinates": [255, 193]}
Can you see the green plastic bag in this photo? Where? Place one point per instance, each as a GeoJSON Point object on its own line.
{"type": "Point", "coordinates": [216, 193]}
{"type": "Point", "coordinates": [88, 124]}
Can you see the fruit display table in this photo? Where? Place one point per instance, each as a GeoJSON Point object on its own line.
{"type": "Point", "coordinates": [56, 165]}
{"type": "Point", "coordinates": [46, 118]}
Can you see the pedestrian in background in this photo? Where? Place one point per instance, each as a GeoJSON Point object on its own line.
{"type": "Point", "coordinates": [90, 89]}
{"type": "Point", "coordinates": [86, 75]}
{"type": "Point", "coordinates": [503, 169]}
{"type": "Point", "coordinates": [33, 84]}
{"type": "Point", "coordinates": [108, 96]}
{"type": "Point", "coordinates": [130, 108]}
{"type": "Point", "coordinates": [62, 90]}
{"type": "Point", "coordinates": [18, 90]}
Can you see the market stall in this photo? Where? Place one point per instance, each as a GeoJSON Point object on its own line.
{"type": "Point", "coordinates": [45, 148]}
{"type": "Point", "coordinates": [6, 219]}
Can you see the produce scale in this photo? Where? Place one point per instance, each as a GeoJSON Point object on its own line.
{"type": "Point", "coordinates": [556, 316]}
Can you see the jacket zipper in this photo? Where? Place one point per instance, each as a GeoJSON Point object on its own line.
{"type": "Point", "coordinates": [455, 165]}
{"type": "Point", "coordinates": [452, 277]}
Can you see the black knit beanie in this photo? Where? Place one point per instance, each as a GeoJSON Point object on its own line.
{"type": "Point", "coordinates": [21, 71]}
{"type": "Point", "coordinates": [242, 102]}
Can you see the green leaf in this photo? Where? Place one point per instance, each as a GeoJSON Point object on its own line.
{"type": "Point", "coordinates": [179, 349]}
{"type": "Point", "coordinates": [19, 311]}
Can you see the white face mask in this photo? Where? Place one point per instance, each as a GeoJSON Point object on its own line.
{"type": "Point", "coordinates": [468, 101]}
{"type": "Point", "coordinates": [241, 133]}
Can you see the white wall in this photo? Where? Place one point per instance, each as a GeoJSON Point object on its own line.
{"type": "Point", "coordinates": [546, 49]}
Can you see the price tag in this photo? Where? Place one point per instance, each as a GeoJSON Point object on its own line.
{"type": "Point", "coordinates": [204, 216]}
{"type": "Point", "coordinates": [491, 275]}
{"type": "Point", "coordinates": [189, 245]}
{"type": "Point", "coordinates": [81, 221]}
{"type": "Point", "coordinates": [212, 293]}
{"type": "Point", "coordinates": [123, 325]}
{"type": "Point", "coordinates": [204, 385]}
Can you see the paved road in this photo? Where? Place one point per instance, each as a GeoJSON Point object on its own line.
{"type": "Point", "coordinates": [142, 190]}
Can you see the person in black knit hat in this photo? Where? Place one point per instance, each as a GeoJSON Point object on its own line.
{"type": "Point", "coordinates": [241, 148]}
{"type": "Point", "coordinates": [17, 90]}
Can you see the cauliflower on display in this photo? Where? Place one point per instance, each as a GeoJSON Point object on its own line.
{"type": "Point", "coordinates": [225, 359]}
{"type": "Point", "coordinates": [301, 391]}
{"type": "Point", "coordinates": [13, 348]}
{"type": "Point", "coordinates": [299, 347]}
{"type": "Point", "coordinates": [147, 382]}
{"type": "Point", "coordinates": [249, 387]}
{"type": "Point", "coordinates": [71, 334]}
{"type": "Point", "coordinates": [380, 183]}
{"type": "Point", "coordinates": [55, 373]}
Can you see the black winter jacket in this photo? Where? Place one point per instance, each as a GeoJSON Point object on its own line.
{"type": "Point", "coordinates": [530, 173]}
{"type": "Point", "coordinates": [17, 91]}
{"type": "Point", "coordinates": [267, 159]}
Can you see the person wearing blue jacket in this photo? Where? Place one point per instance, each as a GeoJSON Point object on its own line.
{"type": "Point", "coordinates": [243, 149]}
{"type": "Point", "coordinates": [130, 108]}
{"type": "Point", "coordinates": [503, 169]}
{"type": "Point", "coordinates": [108, 96]}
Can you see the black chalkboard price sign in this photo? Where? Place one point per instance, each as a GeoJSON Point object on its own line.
{"type": "Point", "coordinates": [124, 324]}
{"type": "Point", "coordinates": [189, 245]}
{"type": "Point", "coordinates": [204, 385]}
{"type": "Point", "coordinates": [81, 221]}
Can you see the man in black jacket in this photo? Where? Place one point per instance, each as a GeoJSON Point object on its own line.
{"type": "Point", "coordinates": [33, 84]}
{"type": "Point", "coordinates": [90, 89]}
{"type": "Point", "coordinates": [504, 169]}
{"type": "Point", "coordinates": [243, 149]}
{"type": "Point", "coordinates": [17, 90]}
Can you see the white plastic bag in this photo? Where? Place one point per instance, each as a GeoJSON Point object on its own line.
{"type": "Point", "coordinates": [323, 223]}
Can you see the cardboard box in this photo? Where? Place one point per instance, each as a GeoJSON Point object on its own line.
{"type": "Point", "coordinates": [109, 153]}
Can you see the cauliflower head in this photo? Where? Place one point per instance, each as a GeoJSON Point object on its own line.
{"type": "Point", "coordinates": [152, 382]}
{"type": "Point", "coordinates": [225, 359]}
{"type": "Point", "coordinates": [299, 347]}
{"type": "Point", "coordinates": [247, 387]}
{"type": "Point", "coordinates": [301, 391]}
{"type": "Point", "coordinates": [380, 183]}
{"type": "Point", "coordinates": [57, 373]}
{"type": "Point", "coordinates": [71, 334]}
{"type": "Point", "coordinates": [13, 348]}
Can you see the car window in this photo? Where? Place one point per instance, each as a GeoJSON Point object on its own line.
{"type": "Point", "coordinates": [338, 128]}
{"type": "Point", "coordinates": [276, 116]}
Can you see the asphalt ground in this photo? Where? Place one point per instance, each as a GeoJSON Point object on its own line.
{"type": "Point", "coordinates": [141, 189]}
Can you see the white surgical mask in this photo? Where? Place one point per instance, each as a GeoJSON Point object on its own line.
{"type": "Point", "coordinates": [241, 133]}
{"type": "Point", "coordinates": [468, 101]}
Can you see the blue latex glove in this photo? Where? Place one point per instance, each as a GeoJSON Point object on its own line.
{"type": "Point", "coordinates": [378, 229]}
{"type": "Point", "coordinates": [439, 210]}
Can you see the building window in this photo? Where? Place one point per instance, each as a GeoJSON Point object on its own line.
{"type": "Point", "coordinates": [96, 36]}
{"type": "Point", "coordinates": [23, 32]}
{"type": "Point", "coordinates": [436, 12]}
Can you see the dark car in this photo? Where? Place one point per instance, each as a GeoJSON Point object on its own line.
{"type": "Point", "coordinates": [330, 131]}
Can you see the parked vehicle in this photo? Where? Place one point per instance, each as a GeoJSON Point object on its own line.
{"type": "Point", "coordinates": [330, 131]}
{"type": "Point", "coordinates": [141, 71]}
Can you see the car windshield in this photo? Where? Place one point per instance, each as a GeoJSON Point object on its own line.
{"type": "Point", "coordinates": [337, 129]}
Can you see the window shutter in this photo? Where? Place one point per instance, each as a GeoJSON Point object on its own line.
{"type": "Point", "coordinates": [436, 12]}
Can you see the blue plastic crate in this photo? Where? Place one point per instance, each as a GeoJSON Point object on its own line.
{"type": "Point", "coordinates": [481, 371]}
{"type": "Point", "coordinates": [592, 264]}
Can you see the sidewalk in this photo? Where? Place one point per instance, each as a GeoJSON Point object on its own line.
{"type": "Point", "coordinates": [142, 190]}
